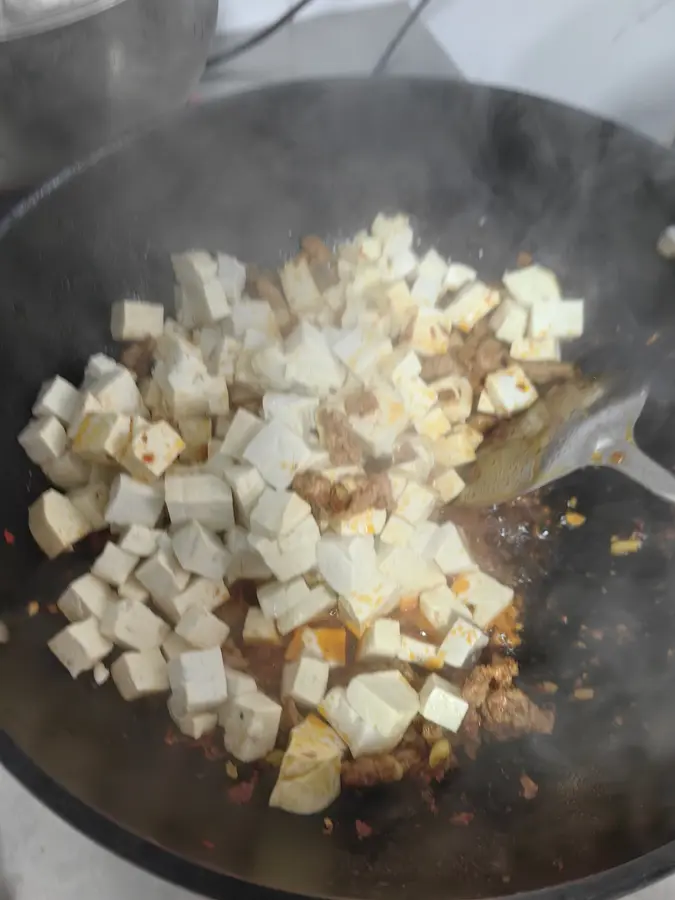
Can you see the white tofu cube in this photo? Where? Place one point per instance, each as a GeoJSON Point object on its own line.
{"type": "Point", "coordinates": [385, 700]}
{"type": "Point", "coordinates": [370, 521]}
{"type": "Point", "coordinates": [323, 642]}
{"type": "Point", "coordinates": [174, 645]}
{"type": "Point", "coordinates": [418, 397]}
{"type": "Point", "coordinates": [666, 244]}
{"type": "Point", "coordinates": [68, 471]}
{"type": "Point", "coordinates": [57, 398]}
{"type": "Point", "coordinates": [416, 503]}
{"type": "Point", "coordinates": [97, 365]}
{"type": "Point", "coordinates": [485, 406]}
{"type": "Point", "coordinates": [509, 322]}
{"type": "Point", "coordinates": [117, 392]}
{"type": "Point", "coordinates": [420, 653]}
{"type": "Point", "coordinates": [484, 595]}
{"type": "Point", "coordinates": [558, 320]}
{"type": "Point", "coordinates": [44, 440]}
{"type": "Point", "coordinates": [232, 276]}
{"type": "Point", "coordinates": [361, 352]}
{"type": "Point", "coordinates": [152, 449]}
{"type": "Point", "coordinates": [276, 599]}
{"type": "Point", "coordinates": [134, 320]}
{"type": "Point", "coordinates": [200, 551]}
{"type": "Point", "coordinates": [278, 512]}
{"type": "Point", "coordinates": [103, 437]}
{"type": "Point", "coordinates": [319, 602]}
{"type": "Point", "coordinates": [471, 304]}
{"type": "Point", "coordinates": [202, 497]}
{"type": "Point", "coordinates": [311, 366]}
{"type": "Point", "coordinates": [201, 629]}
{"type": "Point", "coordinates": [202, 593]}
{"type": "Point", "coordinates": [546, 349]}
{"type": "Point", "coordinates": [430, 332]}
{"type": "Point", "coordinates": [101, 674]}
{"type": "Point", "coordinates": [80, 647]}
{"type": "Point", "coordinates": [251, 726]}
{"type": "Point", "coordinates": [193, 726]}
{"type": "Point", "coordinates": [86, 596]}
{"type": "Point", "coordinates": [361, 737]}
{"type": "Point", "coordinates": [56, 525]}
{"type": "Point", "coordinates": [448, 551]}
{"type": "Point", "coordinates": [91, 501]}
{"type": "Point", "coordinates": [238, 684]}
{"type": "Point", "coordinates": [204, 297]}
{"type": "Point", "coordinates": [243, 428]}
{"type": "Point", "coordinates": [133, 503]}
{"type": "Point", "coordinates": [113, 565]}
{"type": "Point", "coordinates": [300, 290]}
{"type": "Point", "coordinates": [532, 285]}
{"type": "Point", "coordinates": [402, 366]}
{"type": "Point", "coordinates": [259, 629]}
{"type": "Point", "coordinates": [133, 626]}
{"type": "Point", "coordinates": [510, 390]}
{"type": "Point", "coordinates": [402, 307]}
{"type": "Point", "coordinates": [462, 644]}
{"type": "Point", "coordinates": [397, 532]}
{"type": "Point", "coordinates": [442, 703]}
{"type": "Point", "coordinates": [381, 641]}
{"type": "Point", "coordinates": [139, 540]}
{"type": "Point", "coordinates": [345, 563]}
{"type": "Point", "coordinates": [359, 609]}
{"type": "Point", "coordinates": [139, 675]}
{"type": "Point", "coordinates": [449, 485]}
{"type": "Point", "coordinates": [278, 454]}
{"type": "Point", "coordinates": [132, 589]}
{"type": "Point", "coordinates": [457, 448]}
{"type": "Point", "coordinates": [162, 575]}
{"type": "Point", "coordinates": [305, 681]}
{"type": "Point", "coordinates": [295, 411]}
{"type": "Point", "coordinates": [434, 424]}
{"type": "Point", "coordinates": [247, 487]}
{"type": "Point", "coordinates": [441, 608]}
{"type": "Point", "coordinates": [409, 571]}
{"type": "Point", "coordinates": [198, 681]}
{"type": "Point", "coordinates": [458, 276]}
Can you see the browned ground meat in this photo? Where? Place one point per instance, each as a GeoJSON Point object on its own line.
{"type": "Point", "coordinates": [491, 354]}
{"type": "Point", "coordinates": [344, 498]}
{"type": "Point", "coordinates": [432, 733]}
{"type": "Point", "coordinates": [343, 446]}
{"type": "Point", "coordinates": [361, 403]}
{"type": "Point", "coordinates": [315, 489]}
{"type": "Point", "coordinates": [497, 674]}
{"type": "Point", "coordinates": [315, 249]}
{"type": "Point", "coordinates": [546, 372]}
{"type": "Point", "coordinates": [138, 357]}
{"type": "Point", "coordinates": [268, 287]}
{"type": "Point", "coordinates": [482, 422]}
{"type": "Point", "coordinates": [383, 768]}
{"type": "Point", "coordinates": [435, 367]}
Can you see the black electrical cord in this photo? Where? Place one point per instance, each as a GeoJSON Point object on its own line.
{"type": "Point", "coordinates": [225, 56]}
{"type": "Point", "coordinates": [393, 45]}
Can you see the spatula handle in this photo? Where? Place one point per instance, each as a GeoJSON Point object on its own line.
{"type": "Point", "coordinates": [628, 459]}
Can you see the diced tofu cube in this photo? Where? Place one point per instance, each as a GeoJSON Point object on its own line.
{"type": "Point", "coordinates": [101, 674]}
{"type": "Point", "coordinates": [361, 737]}
{"type": "Point", "coordinates": [86, 596]}
{"type": "Point", "coordinates": [278, 454]}
{"type": "Point", "coordinates": [418, 397]}
{"type": "Point", "coordinates": [139, 675]}
{"type": "Point", "coordinates": [44, 440]}
{"type": "Point", "coordinates": [114, 566]}
{"type": "Point", "coordinates": [442, 703]}
{"type": "Point", "coordinates": [328, 644]}
{"type": "Point", "coordinates": [202, 593]}
{"type": "Point", "coordinates": [133, 503]}
{"type": "Point", "coordinates": [97, 365]}
{"type": "Point", "coordinates": [441, 608]}
{"type": "Point", "coordinates": [385, 700]}
{"type": "Point", "coordinates": [509, 322]}
{"type": "Point", "coordinates": [430, 332]}
{"type": "Point", "coordinates": [278, 512]}
{"type": "Point", "coordinates": [462, 644]}
{"type": "Point", "coordinates": [471, 304]}
{"type": "Point", "coordinates": [420, 653]}
{"type": "Point", "coordinates": [132, 589]}
{"type": "Point", "coordinates": [561, 320]}
{"type": "Point", "coordinates": [402, 366]}
{"type": "Point", "coordinates": [162, 575]}
{"type": "Point", "coordinates": [259, 629]}
{"type": "Point", "coordinates": [198, 681]}
{"type": "Point", "coordinates": [238, 684]}
{"type": "Point", "coordinates": [117, 392]}
{"type": "Point", "coordinates": [455, 449]}
{"type": "Point", "coordinates": [247, 487]}
{"type": "Point", "coordinates": [133, 626]}
{"type": "Point", "coordinates": [295, 411]}
{"type": "Point", "coordinates": [381, 641]}
{"type": "Point", "coordinates": [529, 349]}
{"type": "Point", "coordinates": [455, 397]}
{"type": "Point", "coordinates": [196, 432]}
{"type": "Point", "coordinates": [458, 276]}
{"type": "Point", "coordinates": [319, 602]}
{"type": "Point", "coordinates": [174, 645]}
{"type": "Point", "coordinates": [193, 726]}
{"type": "Point", "coordinates": [449, 485]}
{"type": "Point", "coordinates": [305, 681]}
{"type": "Point", "coordinates": [139, 540]}
{"type": "Point", "coordinates": [232, 276]}
{"type": "Point", "coordinates": [202, 497]}
{"type": "Point", "coordinates": [103, 437]}
{"type": "Point", "coordinates": [448, 550]}
{"type": "Point", "coordinates": [251, 726]}
{"type": "Point", "coordinates": [370, 521]}
{"type": "Point", "coordinates": [484, 595]}
{"type": "Point", "coordinates": [204, 297]}
{"type": "Point", "coordinates": [361, 351]}
{"type": "Point", "coordinates": [91, 501]}
{"type": "Point", "coordinates": [532, 285]}
{"type": "Point", "coordinates": [409, 571]}
{"type": "Point", "coordinates": [87, 405]}
{"type": "Point", "coordinates": [310, 364]}
{"type": "Point", "coordinates": [134, 320]}
{"type": "Point", "coordinates": [397, 532]}
{"type": "Point", "coordinates": [300, 289]}
{"type": "Point", "coordinates": [485, 406]}
{"type": "Point", "coordinates": [359, 609]}
{"type": "Point", "coordinates": [80, 647]}
{"type": "Point", "coordinates": [510, 390]}
{"type": "Point", "coordinates": [276, 599]}
{"type": "Point", "coordinates": [68, 471]}
{"type": "Point", "coordinates": [243, 428]}
{"type": "Point", "coordinates": [416, 503]}
{"type": "Point", "coordinates": [201, 629]}
{"type": "Point", "coordinates": [200, 551]}
{"type": "Point", "coordinates": [56, 525]}
{"type": "Point", "coordinates": [152, 449]}
{"type": "Point", "coordinates": [346, 563]}
{"type": "Point", "coordinates": [57, 398]}
{"type": "Point", "coordinates": [309, 777]}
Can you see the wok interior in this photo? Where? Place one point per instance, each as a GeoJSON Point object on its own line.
{"type": "Point", "coordinates": [484, 174]}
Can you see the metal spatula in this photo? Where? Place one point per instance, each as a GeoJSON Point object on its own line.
{"type": "Point", "coordinates": [573, 427]}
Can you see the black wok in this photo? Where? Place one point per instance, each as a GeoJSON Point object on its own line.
{"type": "Point", "coordinates": [485, 174]}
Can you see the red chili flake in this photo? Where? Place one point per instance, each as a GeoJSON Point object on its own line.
{"type": "Point", "coordinates": [208, 844]}
{"type": "Point", "coordinates": [9, 537]}
{"type": "Point", "coordinates": [148, 457]}
{"type": "Point", "coordinates": [462, 818]}
{"type": "Point", "coordinates": [363, 830]}
{"type": "Point", "coordinates": [242, 793]}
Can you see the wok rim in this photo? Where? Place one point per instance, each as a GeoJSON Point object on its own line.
{"type": "Point", "coordinates": [627, 878]}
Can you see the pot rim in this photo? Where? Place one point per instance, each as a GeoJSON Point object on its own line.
{"type": "Point", "coordinates": [59, 18]}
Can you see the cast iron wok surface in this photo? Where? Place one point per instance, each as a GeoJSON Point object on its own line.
{"type": "Point", "coordinates": [486, 174]}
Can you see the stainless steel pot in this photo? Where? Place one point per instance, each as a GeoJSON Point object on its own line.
{"type": "Point", "coordinates": [71, 82]}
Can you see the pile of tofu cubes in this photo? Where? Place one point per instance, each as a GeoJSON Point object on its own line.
{"type": "Point", "coordinates": [197, 495]}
